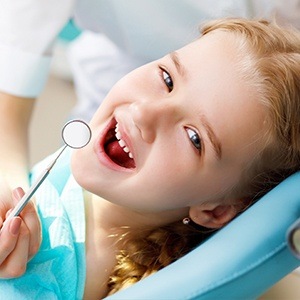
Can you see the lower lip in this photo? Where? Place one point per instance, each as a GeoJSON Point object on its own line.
{"type": "Point", "coordinates": [101, 154]}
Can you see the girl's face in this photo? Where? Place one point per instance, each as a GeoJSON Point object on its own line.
{"type": "Point", "coordinates": [188, 124]}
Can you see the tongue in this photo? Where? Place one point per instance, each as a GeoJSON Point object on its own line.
{"type": "Point", "coordinates": [117, 155]}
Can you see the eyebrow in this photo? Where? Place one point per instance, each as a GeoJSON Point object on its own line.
{"type": "Point", "coordinates": [179, 67]}
{"type": "Point", "coordinates": [212, 137]}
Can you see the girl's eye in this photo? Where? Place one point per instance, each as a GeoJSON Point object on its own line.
{"type": "Point", "coordinates": [195, 139]}
{"type": "Point", "coordinates": [167, 79]}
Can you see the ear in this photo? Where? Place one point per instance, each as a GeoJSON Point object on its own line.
{"type": "Point", "coordinates": [212, 215]}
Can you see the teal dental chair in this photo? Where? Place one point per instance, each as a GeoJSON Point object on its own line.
{"type": "Point", "coordinates": [241, 261]}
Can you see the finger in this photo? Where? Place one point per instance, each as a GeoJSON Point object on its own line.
{"type": "Point", "coordinates": [15, 263]}
{"type": "Point", "coordinates": [4, 207]}
{"type": "Point", "coordinates": [17, 194]}
{"type": "Point", "coordinates": [9, 237]}
{"type": "Point", "coordinates": [32, 221]}
{"type": "Point", "coordinates": [8, 213]}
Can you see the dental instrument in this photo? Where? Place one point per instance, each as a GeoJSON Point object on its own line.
{"type": "Point", "coordinates": [76, 134]}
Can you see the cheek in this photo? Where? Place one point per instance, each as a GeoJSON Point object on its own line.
{"type": "Point", "coordinates": [171, 180]}
{"type": "Point", "coordinates": [116, 96]}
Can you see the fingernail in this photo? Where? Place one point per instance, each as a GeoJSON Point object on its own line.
{"type": "Point", "coordinates": [15, 225]}
{"type": "Point", "coordinates": [18, 192]}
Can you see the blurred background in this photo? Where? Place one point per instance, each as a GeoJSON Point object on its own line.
{"type": "Point", "coordinates": [52, 108]}
{"type": "Point", "coordinates": [51, 112]}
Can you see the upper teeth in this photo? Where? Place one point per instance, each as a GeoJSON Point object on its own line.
{"type": "Point", "coordinates": [122, 142]}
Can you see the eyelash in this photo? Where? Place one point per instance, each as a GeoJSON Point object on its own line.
{"type": "Point", "coordinates": [195, 139]}
{"type": "Point", "coordinates": [167, 79]}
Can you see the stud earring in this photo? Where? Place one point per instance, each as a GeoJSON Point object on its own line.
{"type": "Point", "coordinates": [200, 229]}
{"type": "Point", "coordinates": [186, 221]}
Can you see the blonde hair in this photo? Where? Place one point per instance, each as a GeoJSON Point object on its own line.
{"type": "Point", "coordinates": [270, 62]}
{"type": "Point", "coordinates": [148, 254]}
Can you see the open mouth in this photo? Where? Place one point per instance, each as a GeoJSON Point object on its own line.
{"type": "Point", "coordinates": [116, 148]}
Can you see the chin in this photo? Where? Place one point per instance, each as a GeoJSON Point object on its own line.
{"type": "Point", "coordinates": [88, 174]}
{"type": "Point", "coordinates": [78, 169]}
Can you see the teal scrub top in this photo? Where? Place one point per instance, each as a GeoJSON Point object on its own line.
{"type": "Point", "coordinates": [57, 271]}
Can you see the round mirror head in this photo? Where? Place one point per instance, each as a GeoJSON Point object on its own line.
{"type": "Point", "coordinates": [293, 238]}
{"type": "Point", "coordinates": [76, 134]}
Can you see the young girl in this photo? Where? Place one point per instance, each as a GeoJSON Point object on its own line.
{"type": "Point", "coordinates": [198, 135]}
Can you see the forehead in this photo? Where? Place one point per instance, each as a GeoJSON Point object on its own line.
{"type": "Point", "coordinates": [218, 50]}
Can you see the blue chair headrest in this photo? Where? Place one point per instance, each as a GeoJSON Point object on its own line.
{"type": "Point", "coordinates": [242, 260]}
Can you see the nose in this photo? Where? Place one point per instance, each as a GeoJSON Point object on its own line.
{"type": "Point", "coordinates": [150, 117]}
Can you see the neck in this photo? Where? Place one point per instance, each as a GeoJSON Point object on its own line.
{"type": "Point", "coordinates": [108, 226]}
{"type": "Point", "coordinates": [108, 216]}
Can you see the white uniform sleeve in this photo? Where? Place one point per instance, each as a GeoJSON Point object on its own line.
{"type": "Point", "coordinates": [28, 29]}
{"type": "Point", "coordinates": [288, 12]}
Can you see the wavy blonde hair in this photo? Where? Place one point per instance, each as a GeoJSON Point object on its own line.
{"type": "Point", "coordinates": [270, 62]}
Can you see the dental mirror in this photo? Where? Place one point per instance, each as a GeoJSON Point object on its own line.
{"type": "Point", "coordinates": [76, 134]}
{"type": "Point", "coordinates": [293, 237]}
